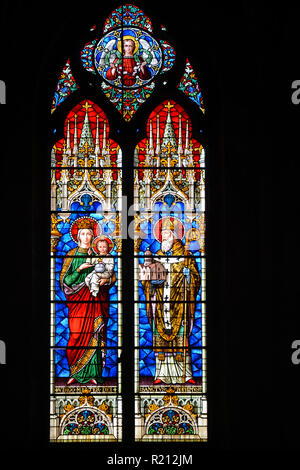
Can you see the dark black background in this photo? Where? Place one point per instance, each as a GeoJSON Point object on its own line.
{"type": "Point", "coordinates": [246, 58]}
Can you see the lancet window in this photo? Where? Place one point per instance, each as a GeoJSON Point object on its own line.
{"type": "Point", "coordinates": [86, 197]}
{"type": "Point", "coordinates": [126, 59]}
{"type": "Point", "coordinates": [170, 274]}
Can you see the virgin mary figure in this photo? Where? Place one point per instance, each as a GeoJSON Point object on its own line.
{"type": "Point", "coordinates": [88, 314]}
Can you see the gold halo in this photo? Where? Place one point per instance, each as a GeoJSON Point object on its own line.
{"type": "Point", "coordinates": [84, 222]}
{"type": "Point", "coordinates": [136, 42]}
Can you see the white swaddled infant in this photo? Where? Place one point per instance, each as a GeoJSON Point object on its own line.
{"type": "Point", "coordinates": [104, 267]}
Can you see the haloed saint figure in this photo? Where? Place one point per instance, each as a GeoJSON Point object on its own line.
{"type": "Point", "coordinates": [128, 58]}
{"type": "Point", "coordinates": [88, 310]}
{"type": "Point", "coordinates": [171, 304]}
{"type": "Point", "coordinates": [129, 68]}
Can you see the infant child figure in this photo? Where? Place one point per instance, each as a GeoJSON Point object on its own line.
{"type": "Point", "coordinates": [104, 268]}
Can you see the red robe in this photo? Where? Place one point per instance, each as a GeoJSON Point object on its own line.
{"type": "Point", "coordinates": [87, 317]}
{"type": "Point", "coordinates": [128, 69]}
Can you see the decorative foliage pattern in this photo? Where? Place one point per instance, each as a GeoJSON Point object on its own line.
{"type": "Point", "coordinates": [170, 422]}
{"type": "Point", "coordinates": [87, 56]}
{"type": "Point", "coordinates": [127, 15]}
{"type": "Point", "coordinates": [85, 423]}
{"type": "Point", "coordinates": [169, 56]}
{"type": "Point", "coordinates": [86, 419]}
{"type": "Point", "coordinates": [190, 87]}
{"type": "Point", "coordinates": [65, 86]}
{"type": "Point", "coordinates": [127, 102]}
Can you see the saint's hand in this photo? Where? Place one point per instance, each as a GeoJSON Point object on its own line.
{"type": "Point", "coordinates": [102, 282]}
{"type": "Point", "coordinates": [84, 266]}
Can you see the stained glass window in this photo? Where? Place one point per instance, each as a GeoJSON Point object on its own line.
{"type": "Point", "coordinates": [86, 191]}
{"type": "Point", "coordinates": [125, 60]}
{"type": "Point", "coordinates": [170, 279]}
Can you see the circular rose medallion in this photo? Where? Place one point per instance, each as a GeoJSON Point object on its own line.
{"type": "Point", "coordinates": [128, 58]}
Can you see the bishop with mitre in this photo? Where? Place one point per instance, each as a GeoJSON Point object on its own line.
{"type": "Point", "coordinates": [171, 305]}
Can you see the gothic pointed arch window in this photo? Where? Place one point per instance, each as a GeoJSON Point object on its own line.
{"type": "Point", "coordinates": [127, 239]}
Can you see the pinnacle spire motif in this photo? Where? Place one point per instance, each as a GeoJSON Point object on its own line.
{"type": "Point", "coordinates": [186, 150]}
{"type": "Point", "coordinates": [75, 144]}
{"type": "Point", "coordinates": [151, 148]}
{"type": "Point", "coordinates": [68, 148]}
{"type": "Point", "coordinates": [119, 158]}
{"type": "Point", "coordinates": [86, 133]}
{"type": "Point", "coordinates": [97, 143]}
{"type": "Point", "coordinates": [157, 147]}
{"type": "Point", "coordinates": [104, 149]}
{"type": "Point", "coordinates": [180, 149]}
{"type": "Point", "coordinates": [169, 133]}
